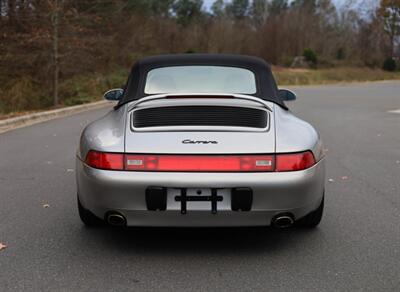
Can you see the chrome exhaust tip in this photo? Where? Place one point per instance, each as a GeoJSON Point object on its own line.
{"type": "Point", "coordinates": [116, 219]}
{"type": "Point", "coordinates": [283, 220]}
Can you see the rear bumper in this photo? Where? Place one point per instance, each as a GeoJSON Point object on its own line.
{"type": "Point", "coordinates": [298, 192]}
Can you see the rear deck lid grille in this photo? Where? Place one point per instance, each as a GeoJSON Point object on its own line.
{"type": "Point", "coordinates": [229, 116]}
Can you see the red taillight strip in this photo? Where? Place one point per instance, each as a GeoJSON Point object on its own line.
{"type": "Point", "coordinates": [200, 163]}
{"type": "Point", "coordinates": [199, 96]}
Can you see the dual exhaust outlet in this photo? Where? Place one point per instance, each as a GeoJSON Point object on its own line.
{"type": "Point", "coordinates": [283, 220]}
{"type": "Point", "coordinates": [115, 219]}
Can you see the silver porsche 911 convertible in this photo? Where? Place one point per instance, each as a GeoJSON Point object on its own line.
{"type": "Point", "coordinates": [200, 140]}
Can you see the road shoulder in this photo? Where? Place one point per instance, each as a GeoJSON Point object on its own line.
{"type": "Point", "coordinates": [39, 117]}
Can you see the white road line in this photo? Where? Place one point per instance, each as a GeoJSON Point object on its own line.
{"type": "Point", "coordinates": [397, 111]}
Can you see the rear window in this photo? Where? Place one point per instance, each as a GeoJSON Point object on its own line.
{"type": "Point", "coordinates": [200, 79]}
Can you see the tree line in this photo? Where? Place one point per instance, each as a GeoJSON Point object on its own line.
{"type": "Point", "coordinates": [47, 44]}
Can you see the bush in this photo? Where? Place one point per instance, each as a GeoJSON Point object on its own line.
{"type": "Point", "coordinates": [310, 56]}
{"type": "Point", "coordinates": [23, 93]}
{"type": "Point", "coordinates": [340, 54]}
{"type": "Point", "coordinates": [85, 88]}
{"type": "Point", "coordinates": [190, 51]}
{"type": "Point", "coordinates": [288, 61]}
{"type": "Point", "coordinates": [389, 65]}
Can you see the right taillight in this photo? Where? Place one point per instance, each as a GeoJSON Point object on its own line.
{"type": "Point", "coordinates": [294, 161]}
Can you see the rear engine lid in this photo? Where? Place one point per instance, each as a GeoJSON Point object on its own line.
{"type": "Point", "coordinates": [200, 125]}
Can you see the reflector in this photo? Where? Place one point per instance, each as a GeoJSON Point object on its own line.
{"type": "Point", "coordinates": [200, 163]}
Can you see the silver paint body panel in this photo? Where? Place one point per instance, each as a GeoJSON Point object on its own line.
{"type": "Point", "coordinates": [298, 192]}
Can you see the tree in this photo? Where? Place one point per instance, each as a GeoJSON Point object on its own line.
{"type": "Point", "coordinates": [11, 11]}
{"type": "Point", "coordinates": [161, 7]}
{"type": "Point", "coordinates": [327, 10]}
{"type": "Point", "coordinates": [2, 7]}
{"type": "Point", "coordinates": [276, 7]}
{"type": "Point", "coordinates": [389, 12]}
{"type": "Point", "coordinates": [305, 4]}
{"type": "Point", "coordinates": [258, 11]}
{"type": "Point", "coordinates": [55, 25]}
{"type": "Point", "coordinates": [217, 8]}
{"type": "Point", "coordinates": [238, 8]}
{"type": "Point", "coordinates": [187, 10]}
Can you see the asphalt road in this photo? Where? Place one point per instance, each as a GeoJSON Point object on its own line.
{"type": "Point", "coordinates": [356, 247]}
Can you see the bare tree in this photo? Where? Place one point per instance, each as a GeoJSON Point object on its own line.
{"type": "Point", "coordinates": [389, 11]}
{"type": "Point", "coordinates": [54, 4]}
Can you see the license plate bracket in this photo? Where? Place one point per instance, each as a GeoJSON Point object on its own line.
{"type": "Point", "coordinates": [183, 198]}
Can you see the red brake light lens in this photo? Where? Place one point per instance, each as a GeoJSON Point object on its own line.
{"type": "Point", "coordinates": [200, 96]}
{"type": "Point", "coordinates": [102, 160]}
{"type": "Point", "coordinates": [292, 162]}
{"type": "Point", "coordinates": [199, 163]}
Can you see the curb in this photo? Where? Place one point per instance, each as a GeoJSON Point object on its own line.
{"type": "Point", "coordinates": [34, 118]}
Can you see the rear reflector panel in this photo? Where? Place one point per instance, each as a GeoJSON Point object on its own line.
{"type": "Point", "coordinates": [200, 163]}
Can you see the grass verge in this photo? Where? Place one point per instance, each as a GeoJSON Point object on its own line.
{"type": "Point", "coordinates": [21, 96]}
{"type": "Point", "coordinates": [286, 76]}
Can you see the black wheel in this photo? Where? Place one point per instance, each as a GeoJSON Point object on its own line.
{"type": "Point", "coordinates": [87, 217]}
{"type": "Point", "coordinates": [313, 219]}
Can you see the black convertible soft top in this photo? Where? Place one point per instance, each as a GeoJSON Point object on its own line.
{"type": "Point", "coordinates": [266, 86]}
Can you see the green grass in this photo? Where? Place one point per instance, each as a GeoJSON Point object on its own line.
{"type": "Point", "coordinates": [87, 88]}
{"type": "Point", "coordinates": [328, 76]}
{"type": "Point", "coordinates": [26, 95]}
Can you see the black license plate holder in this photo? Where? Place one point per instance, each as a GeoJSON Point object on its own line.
{"type": "Point", "coordinates": [184, 198]}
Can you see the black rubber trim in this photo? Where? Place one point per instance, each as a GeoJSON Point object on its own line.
{"type": "Point", "coordinates": [241, 199]}
{"type": "Point", "coordinates": [156, 198]}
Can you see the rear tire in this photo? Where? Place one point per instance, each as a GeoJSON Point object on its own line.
{"type": "Point", "coordinates": [313, 219]}
{"type": "Point", "coordinates": [87, 217]}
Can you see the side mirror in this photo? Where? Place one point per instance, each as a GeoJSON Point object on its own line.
{"type": "Point", "coordinates": [286, 95]}
{"type": "Point", "coordinates": [114, 94]}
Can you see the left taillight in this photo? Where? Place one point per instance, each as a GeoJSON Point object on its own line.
{"type": "Point", "coordinates": [102, 160]}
